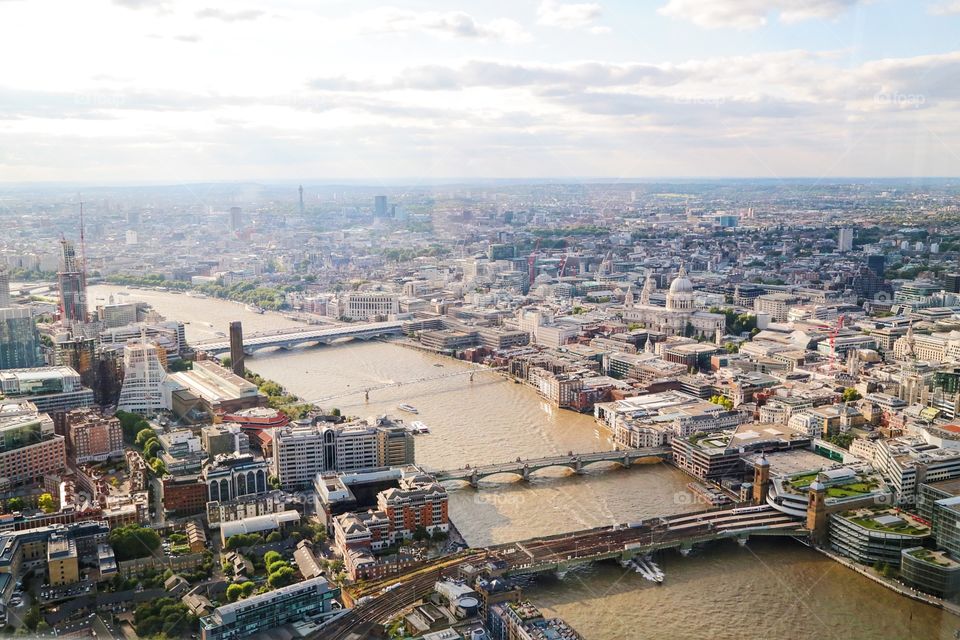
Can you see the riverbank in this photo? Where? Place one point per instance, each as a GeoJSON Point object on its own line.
{"type": "Point", "coordinates": [893, 585]}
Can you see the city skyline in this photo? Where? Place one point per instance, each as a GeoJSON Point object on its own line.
{"type": "Point", "coordinates": [172, 91]}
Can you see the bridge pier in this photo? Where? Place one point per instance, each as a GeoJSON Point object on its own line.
{"type": "Point", "coordinates": [686, 548]}
{"type": "Point", "coordinates": [474, 480]}
{"type": "Point", "coordinates": [578, 466]}
{"type": "Point", "coordinates": [626, 461]}
{"type": "Point", "coordinates": [742, 539]}
{"type": "Point", "coordinates": [526, 473]}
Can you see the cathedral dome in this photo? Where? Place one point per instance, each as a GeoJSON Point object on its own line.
{"type": "Point", "coordinates": [681, 284]}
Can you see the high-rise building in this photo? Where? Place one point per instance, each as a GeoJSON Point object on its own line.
{"type": "Point", "coordinates": [145, 385]}
{"type": "Point", "coordinates": [301, 199]}
{"type": "Point", "coordinates": [236, 218]}
{"type": "Point", "coordinates": [845, 240]}
{"type": "Point", "coordinates": [29, 446]}
{"type": "Point", "coordinates": [4, 287]}
{"type": "Point", "coordinates": [73, 288]}
{"type": "Point", "coordinates": [237, 354]}
{"type": "Point", "coordinates": [877, 263]}
{"type": "Point", "coordinates": [51, 389]}
{"type": "Point", "coordinates": [19, 339]}
{"type": "Point", "coordinates": [380, 206]}
{"type": "Point", "coordinates": [951, 283]}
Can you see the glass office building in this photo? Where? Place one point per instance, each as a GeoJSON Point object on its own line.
{"type": "Point", "coordinates": [19, 340]}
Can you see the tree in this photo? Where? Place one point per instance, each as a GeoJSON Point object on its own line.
{"type": "Point", "coordinates": [420, 533]}
{"type": "Point", "coordinates": [151, 447]}
{"type": "Point", "coordinates": [248, 588]}
{"type": "Point", "coordinates": [143, 436]}
{"type": "Point", "coordinates": [158, 467]}
{"type": "Point", "coordinates": [723, 401]}
{"type": "Point", "coordinates": [234, 592]}
{"type": "Point", "coordinates": [270, 557]}
{"type": "Point", "coordinates": [46, 503]}
{"type": "Point", "coordinates": [15, 504]}
{"type": "Point", "coordinates": [274, 537]}
{"type": "Point", "coordinates": [274, 567]}
{"type": "Point", "coordinates": [133, 541]}
{"type": "Point", "coordinates": [281, 578]}
{"type": "Point", "coordinates": [851, 395]}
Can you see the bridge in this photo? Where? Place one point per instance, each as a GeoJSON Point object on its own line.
{"type": "Point", "coordinates": [402, 383]}
{"type": "Point", "coordinates": [577, 462]}
{"type": "Point", "coordinates": [378, 601]}
{"type": "Point", "coordinates": [289, 338]}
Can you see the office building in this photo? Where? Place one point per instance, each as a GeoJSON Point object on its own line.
{"type": "Point", "coordinates": [380, 206]}
{"type": "Point", "coordinates": [29, 447]}
{"type": "Point", "coordinates": [308, 600]}
{"type": "Point", "coordinates": [951, 283]}
{"type": "Point", "coordinates": [877, 263]}
{"type": "Point", "coordinates": [4, 287]}
{"type": "Point", "coordinates": [362, 305]}
{"type": "Point", "coordinates": [63, 565]}
{"type": "Point", "coordinates": [51, 389]}
{"type": "Point", "coordinates": [395, 446]}
{"type": "Point", "coordinates": [237, 355]}
{"type": "Point", "coordinates": [119, 315]}
{"type": "Point", "coordinates": [209, 389]}
{"type": "Point", "coordinates": [93, 437]}
{"type": "Point", "coordinates": [845, 240]}
{"type": "Point", "coordinates": [233, 476]}
{"type": "Point", "coordinates": [73, 287]}
{"type": "Point", "coordinates": [146, 387]}
{"type": "Point", "coordinates": [183, 495]}
{"type": "Point", "coordinates": [225, 438]}
{"type": "Point", "coordinates": [19, 339]}
{"type": "Point", "coordinates": [236, 218]}
{"type": "Point", "coordinates": [776, 305]}
{"type": "Point", "coordinates": [301, 452]}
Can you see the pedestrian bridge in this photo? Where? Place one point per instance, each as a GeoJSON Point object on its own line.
{"type": "Point", "coordinates": [287, 339]}
{"type": "Point", "coordinates": [577, 462]}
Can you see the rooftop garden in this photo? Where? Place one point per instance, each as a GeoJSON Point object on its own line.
{"type": "Point", "coordinates": [933, 557]}
{"type": "Point", "coordinates": [905, 524]}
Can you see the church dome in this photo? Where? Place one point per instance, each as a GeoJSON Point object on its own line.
{"type": "Point", "coordinates": [681, 284]}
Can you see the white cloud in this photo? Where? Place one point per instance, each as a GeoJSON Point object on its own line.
{"type": "Point", "coordinates": [553, 13]}
{"type": "Point", "coordinates": [450, 24]}
{"type": "Point", "coordinates": [948, 8]}
{"type": "Point", "coordinates": [750, 14]}
{"type": "Point", "coordinates": [229, 16]}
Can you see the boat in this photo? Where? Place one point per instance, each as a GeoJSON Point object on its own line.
{"type": "Point", "coordinates": [417, 427]}
{"type": "Point", "coordinates": [647, 568]}
{"type": "Point", "coordinates": [409, 408]}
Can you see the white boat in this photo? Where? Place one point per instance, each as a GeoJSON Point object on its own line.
{"type": "Point", "coordinates": [409, 408]}
{"type": "Point", "coordinates": [418, 427]}
{"type": "Point", "coordinates": [648, 569]}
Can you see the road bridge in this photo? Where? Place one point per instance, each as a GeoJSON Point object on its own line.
{"type": "Point", "coordinates": [577, 462]}
{"type": "Point", "coordinates": [289, 338]}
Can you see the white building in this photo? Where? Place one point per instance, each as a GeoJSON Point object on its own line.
{"type": "Point", "coordinates": [361, 305]}
{"type": "Point", "coordinates": [145, 385]}
{"type": "Point", "coordinates": [845, 240]}
{"type": "Point", "coordinates": [680, 315]}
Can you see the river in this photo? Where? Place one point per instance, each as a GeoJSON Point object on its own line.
{"type": "Point", "coordinates": [770, 589]}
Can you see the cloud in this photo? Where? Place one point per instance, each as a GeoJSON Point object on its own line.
{"type": "Point", "coordinates": [450, 24]}
{"type": "Point", "coordinates": [948, 8]}
{"type": "Point", "coordinates": [751, 14]}
{"type": "Point", "coordinates": [158, 5]}
{"type": "Point", "coordinates": [553, 13]}
{"type": "Point", "coordinates": [229, 16]}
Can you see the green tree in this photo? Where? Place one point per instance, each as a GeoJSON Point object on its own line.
{"type": "Point", "coordinates": [281, 578]}
{"type": "Point", "coordinates": [273, 567]}
{"type": "Point", "coordinates": [151, 447]}
{"type": "Point", "coordinates": [158, 467]}
{"type": "Point", "coordinates": [723, 401]}
{"type": "Point", "coordinates": [15, 504]}
{"type": "Point", "coordinates": [234, 592]}
{"type": "Point", "coordinates": [270, 557]}
{"type": "Point", "coordinates": [274, 537]}
{"type": "Point", "coordinates": [851, 395]}
{"type": "Point", "coordinates": [420, 533]}
{"type": "Point", "coordinates": [133, 541]}
{"type": "Point", "coordinates": [143, 436]}
{"type": "Point", "coordinates": [248, 588]}
{"type": "Point", "coordinates": [46, 503]}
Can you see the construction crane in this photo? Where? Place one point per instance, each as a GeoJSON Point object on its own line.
{"type": "Point", "coordinates": [562, 266]}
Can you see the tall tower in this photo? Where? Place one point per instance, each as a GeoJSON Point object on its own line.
{"type": "Point", "coordinates": [236, 348]}
{"type": "Point", "coordinates": [73, 290]}
{"type": "Point", "coordinates": [817, 510]}
{"type": "Point", "coordinates": [301, 199]}
{"type": "Point", "coordinates": [4, 287]}
{"type": "Point", "coordinates": [761, 479]}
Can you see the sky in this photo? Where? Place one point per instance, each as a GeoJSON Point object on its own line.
{"type": "Point", "coordinates": [152, 91]}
